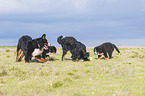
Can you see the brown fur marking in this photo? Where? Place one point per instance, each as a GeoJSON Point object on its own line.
{"type": "Point", "coordinates": [17, 59]}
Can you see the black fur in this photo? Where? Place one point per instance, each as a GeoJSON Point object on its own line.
{"type": "Point", "coordinates": [51, 49]}
{"type": "Point", "coordinates": [77, 49]}
{"type": "Point", "coordinates": [27, 46]}
{"type": "Point", "coordinates": [104, 49]}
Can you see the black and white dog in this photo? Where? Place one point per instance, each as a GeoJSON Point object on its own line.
{"type": "Point", "coordinates": [31, 47]}
{"type": "Point", "coordinates": [104, 49]}
{"type": "Point", "coordinates": [77, 49]}
{"type": "Point", "coordinates": [47, 52]}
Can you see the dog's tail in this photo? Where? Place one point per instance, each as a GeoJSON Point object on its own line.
{"type": "Point", "coordinates": [116, 49]}
{"type": "Point", "coordinates": [59, 39]}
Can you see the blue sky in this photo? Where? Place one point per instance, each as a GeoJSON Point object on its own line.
{"type": "Point", "coordinates": [92, 22]}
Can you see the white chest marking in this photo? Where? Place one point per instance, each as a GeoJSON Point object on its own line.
{"type": "Point", "coordinates": [36, 52]}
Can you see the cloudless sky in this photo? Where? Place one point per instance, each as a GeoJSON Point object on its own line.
{"type": "Point", "coordinates": [91, 22]}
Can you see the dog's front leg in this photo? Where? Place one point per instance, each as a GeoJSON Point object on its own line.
{"type": "Point", "coordinates": [106, 56]}
{"type": "Point", "coordinates": [99, 57]}
{"type": "Point", "coordinates": [27, 59]}
{"type": "Point", "coordinates": [40, 60]}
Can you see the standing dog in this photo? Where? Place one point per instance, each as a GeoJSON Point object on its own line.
{"type": "Point", "coordinates": [30, 48]}
{"type": "Point", "coordinates": [104, 49]}
{"type": "Point", "coordinates": [77, 49]}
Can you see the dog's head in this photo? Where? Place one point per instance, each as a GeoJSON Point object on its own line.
{"type": "Point", "coordinates": [51, 49]}
{"type": "Point", "coordinates": [42, 42]}
{"type": "Point", "coordinates": [83, 56]}
{"type": "Point", "coordinates": [98, 51]}
{"type": "Point", "coordinates": [86, 56]}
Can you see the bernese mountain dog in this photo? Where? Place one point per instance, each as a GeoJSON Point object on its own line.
{"type": "Point", "coordinates": [47, 52]}
{"type": "Point", "coordinates": [29, 47]}
{"type": "Point", "coordinates": [77, 49]}
{"type": "Point", "coordinates": [105, 49]}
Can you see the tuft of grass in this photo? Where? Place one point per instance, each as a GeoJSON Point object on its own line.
{"type": "Point", "coordinates": [134, 56]}
{"type": "Point", "coordinates": [20, 73]}
{"type": "Point", "coordinates": [74, 70]}
{"type": "Point", "coordinates": [88, 64]}
{"type": "Point", "coordinates": [57, 73]}
{"type": "Point", "coordinates": [13, 68]}
{"type": "Point", "coordinates": [3, 73]}
{"type": "Point", "coordinates": [8, 56]}
{"type": "Point", "coordinates": [57, 84]}
{"type": "Point", "coordinates": [42, 73]}
{"type": "Point", "coordinates": [70, 74]}
{"type": "Point", "coordinates": [87, 71]}
{"type": "Point", "coordinates": [141, 56]}
{"type": "Point", "coordinates": [68, 79]}
{"type": "Point", "coordinates": [7, 50]}
{"type": "Point", "coordinates": [76, 77]}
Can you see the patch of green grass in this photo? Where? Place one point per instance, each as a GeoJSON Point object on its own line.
{"type": "Point", "coordinates": [7, 50]}
{"type": "Point", "coordinates": [141, 56]}
{"type": "Point", "coordinates": [42, 73]}
{"type": "Point", "coordinates": [8, 56]}
{"type": "Point", "coordinates": [87, 71]}
{"type": "Point", "coordinates": [68, 80]}
{"type": "Point", "coordinates": [74, 70]}
{"type": "Point", "coordinates": [134, 56]}
{"type": "Point", "coordinates": [88, 64]}
{"type": "Point", "coordinates": [70, 74]}
{"type": "Point", "coordinates": [57, 84]}
{"type": "Point", "coordinates": [122, 75]}
{"type": "Point", "coordinates": [78, 94]}
{"type": "Point", "coordinates": [3, 73]}
{"type": "Point", "coordinates": [76, 76]}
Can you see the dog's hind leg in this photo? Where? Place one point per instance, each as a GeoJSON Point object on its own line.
{"type": "Point", "coordinates": [110, 54]}
{"type": "Point", "coordinates": [63, 56]}
{"type": "Point", "coordinates": [18, 54]}
{"type": "Point", "coordinates": [106, 56]}
{"type": "Point", "coordinates": [21, 57]}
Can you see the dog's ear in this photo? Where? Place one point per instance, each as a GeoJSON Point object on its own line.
{"type": "Point", "coordinates": [96, 48]}
{"type": "Point", "coordinates": [43, 36]}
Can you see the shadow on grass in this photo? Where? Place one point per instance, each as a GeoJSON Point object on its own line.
{"type": "Point", "coordinates": [68, 59]}
{"type": "Point", "coordinates": [102, 58]}
{"type": "Point", "coordinates": [34, 60]}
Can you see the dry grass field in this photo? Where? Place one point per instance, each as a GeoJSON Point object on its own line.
{"type": "Point", "coordinates": [123, 75]}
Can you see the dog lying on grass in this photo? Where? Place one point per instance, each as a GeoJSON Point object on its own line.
{"type": "Point", "coordinates": [47, 52]}
{"type": "Point", "coordinates": [31, 47]}
{"type": "Point", "coordinates": [104, 49]}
